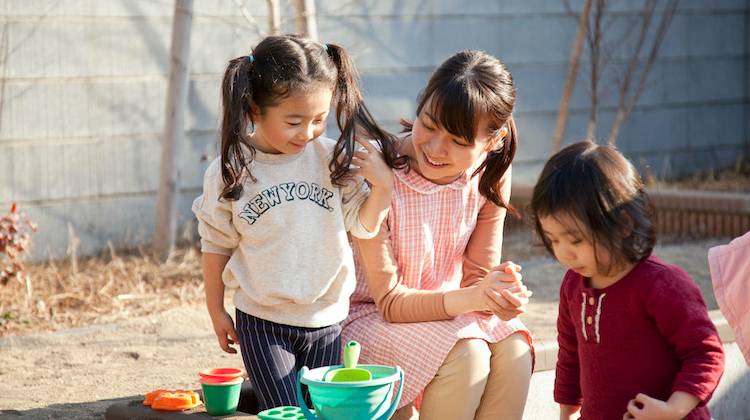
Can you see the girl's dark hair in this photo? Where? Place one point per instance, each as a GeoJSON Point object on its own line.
{"type": "Point", "coordinates": [466, 86]}
{"type": "Point", "coordinates": [599, 188]}
{"type": "Point", "coordinates": [278, 67]}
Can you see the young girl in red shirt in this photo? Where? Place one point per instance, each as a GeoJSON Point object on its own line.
{"type": "Point", "coordinates": [634, 334]}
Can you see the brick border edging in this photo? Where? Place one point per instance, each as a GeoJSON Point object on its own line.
{"type": "Point", "coordinates": [545, 351]}
{"type": "Point", "coordinates": [682, 213]}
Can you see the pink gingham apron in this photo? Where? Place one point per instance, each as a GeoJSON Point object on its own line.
{"type": "Point", "coordinates": [430, 226]}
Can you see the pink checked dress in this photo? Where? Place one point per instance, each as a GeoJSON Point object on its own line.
{"type": "Point", "coordinates": [430, 226]}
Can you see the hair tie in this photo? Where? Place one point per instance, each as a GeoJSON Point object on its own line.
{"type": "Point", "coordinates": [250, 59]}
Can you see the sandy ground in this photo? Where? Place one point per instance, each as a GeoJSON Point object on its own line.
{"type": "Point", "coordinates": [78, 373]}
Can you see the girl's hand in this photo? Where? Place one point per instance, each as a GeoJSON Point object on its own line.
{"type": "Point", "coordinates": [643, 407]}
{"type": "Point", "coordinates": [224, 330]}
{"type": "Point", "coordinates": [570, 412]}
{"type": "Point", "coordinates": [369, 164]}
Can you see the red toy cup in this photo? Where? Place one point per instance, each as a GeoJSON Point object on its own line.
{"type": "Point", "coordinates": [219, 375]}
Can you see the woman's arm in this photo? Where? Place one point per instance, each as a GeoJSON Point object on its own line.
{"type": "Point", "coordinates": [396, 302]}
{"type": "Point", "coordinates": [483, 254]}
{"type": "Point", "coordinates": [485, 246]}
{"type": "Point", "coordinates": [399, 303]}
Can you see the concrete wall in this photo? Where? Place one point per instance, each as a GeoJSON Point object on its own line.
{"type": "Point", "coordinates": [84, 82]}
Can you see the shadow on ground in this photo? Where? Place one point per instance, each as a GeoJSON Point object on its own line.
{"type": "Point", "coordinates": [123, 408]}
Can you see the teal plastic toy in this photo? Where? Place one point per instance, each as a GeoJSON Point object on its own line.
{"type": "Point", "coordinates": [363, 400]}
{"type": "Point", "coordinates": [282, 413]}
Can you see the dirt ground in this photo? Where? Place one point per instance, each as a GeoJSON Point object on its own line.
{"type": "Point", "coordinates": [77, 373]}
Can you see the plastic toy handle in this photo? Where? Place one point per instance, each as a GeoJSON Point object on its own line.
{"type": "Point", "coordinates": [394, 404]}
{"type": "Point", "coordinates": [351, 354]}
{"type": "Point", "coordinates": [301, 399]}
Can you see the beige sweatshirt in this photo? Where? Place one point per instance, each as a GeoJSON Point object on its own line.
{"type": "Point", "coordinates": [290, 259]}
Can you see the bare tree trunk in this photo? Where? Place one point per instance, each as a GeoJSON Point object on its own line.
{"type": "Point", "coordinates": [174, 135]}
{"type": "Point", "coordinates": [274, 17]}
{"type": "Point", "coordinates": [595, 44]}
{"type": "Point", "coordinates": [570, 81]}
{"type": "Point", "coordinates": [646, 16]}
{"type": "Point", "coordinates": [305, 21]}
{"type": "Point", "coordinates": [625, 105]}
{"type": "Point", "coordinates": [249, 18]}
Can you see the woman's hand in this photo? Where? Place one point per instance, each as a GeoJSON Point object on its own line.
{"type": "Point", "coordinates": [503, 292]}
{"type": "Point", "coordinates": [224, 329]}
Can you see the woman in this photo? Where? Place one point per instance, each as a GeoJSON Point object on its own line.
{"type": "Point", "coordinates": [426, 291]}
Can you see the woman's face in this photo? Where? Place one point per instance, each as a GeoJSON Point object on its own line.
{"type": "Point", "coordinates": [442, 157]}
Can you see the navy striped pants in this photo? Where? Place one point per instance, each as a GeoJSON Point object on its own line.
{"type": "Point", "coordinates": [274, 353]}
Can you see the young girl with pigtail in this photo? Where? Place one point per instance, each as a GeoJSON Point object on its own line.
{"type": "Point", "coordinates": [278, 203]}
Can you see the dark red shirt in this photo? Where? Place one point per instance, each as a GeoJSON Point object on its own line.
{"type": "Point", "coordinates": [647, 333]}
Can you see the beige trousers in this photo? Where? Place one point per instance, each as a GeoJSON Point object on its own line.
{"type": "Point", "coordinates": [480, 381]}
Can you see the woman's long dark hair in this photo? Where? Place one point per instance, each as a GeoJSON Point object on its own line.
{"type": "Point", "coordinates": [278, 67]}
{"type": "Point", "coordinates": [599, 188]}
{"type": "Point", "coordinates": [466, 86]}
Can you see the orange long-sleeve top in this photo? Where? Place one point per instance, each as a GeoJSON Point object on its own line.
{"type": "Point", "coordinates": [399, 303]}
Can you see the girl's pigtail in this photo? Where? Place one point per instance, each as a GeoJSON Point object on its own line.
{"type": "Point", "coordinates": [496, 164]}
{"type": "Point", "coordinates": [236, 97]}
{"type": "Point", "coordinates": [354, 119]}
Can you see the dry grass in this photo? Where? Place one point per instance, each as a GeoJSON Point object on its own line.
{"type": "Point", "coordinates": [734, 179]}
{"type": "Point", "coordinates": [68, 293]}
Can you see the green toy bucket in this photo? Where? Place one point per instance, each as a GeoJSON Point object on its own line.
{"type": "Point", "coordinates": [221, 398]}
{"type": "Point", "coordinates": [363, 400]}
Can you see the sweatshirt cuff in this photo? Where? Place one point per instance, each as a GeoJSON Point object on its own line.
{"type": "Point", "coordinates": [211, 248]}
{"type": "Point", "coordinates": [361, 232]}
